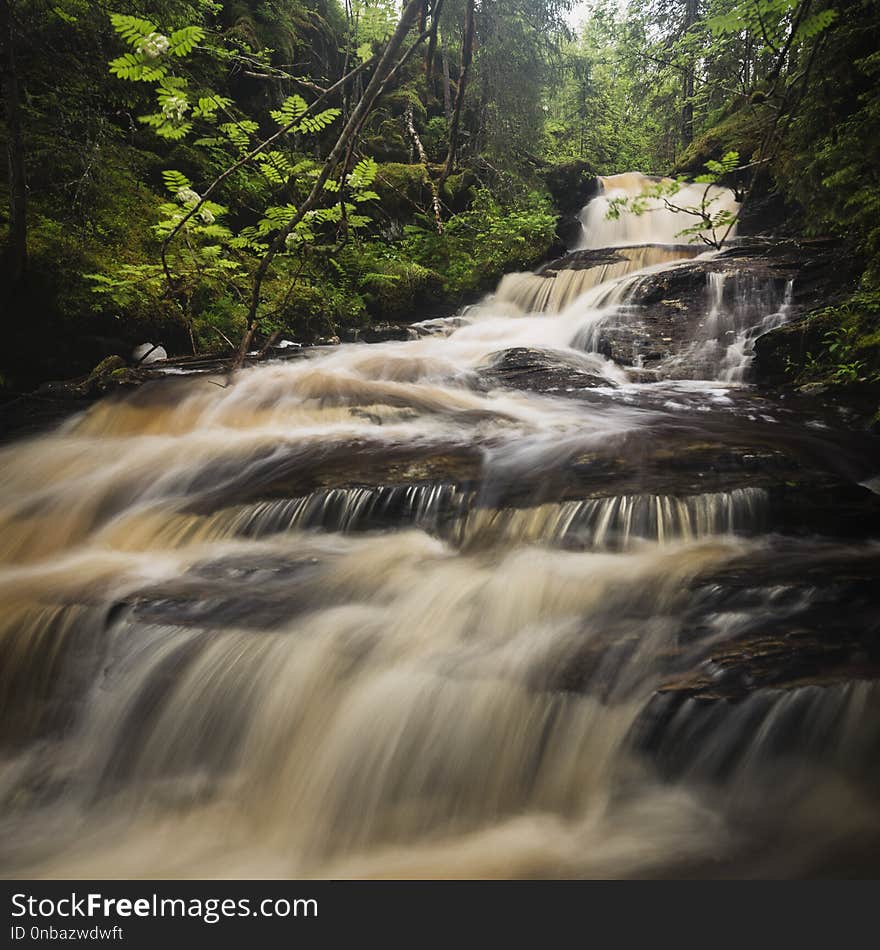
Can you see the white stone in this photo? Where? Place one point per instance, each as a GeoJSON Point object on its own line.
{"type": "Point", "coordinates": [146, 354]}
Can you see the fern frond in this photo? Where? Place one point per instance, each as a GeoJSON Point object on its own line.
{"type": "Point", "coordinates": [185, 40]}
{"type": "Point", "coordinates": [135, 68]}
{"type": "Point", "coordinates": [131, 28]}
{"type": "Point", "coordinates": [316, 123]}
{"type": "Point", "coordinates": [175, 180]}
{"type": "Point", "coordinates": [292, 108]}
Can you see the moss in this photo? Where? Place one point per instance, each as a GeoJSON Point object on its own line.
{"type": "Point", "coordinates": [388, 143]}
{"type": "Point", "coordinates": [402, 289]}
{"type": "Point", "coordinates": [403, 189]}
{"type": "Point", "coordinates": [738, 131]}
{"type": "Point", "coordinates": [397, 102]}
{"type": "Point", "coordinates": [458, 190]}
{"type": "Point", "coordinates": [109, 365]}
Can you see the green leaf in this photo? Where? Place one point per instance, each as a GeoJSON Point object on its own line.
{"type": "Point", "coordinates": [207, 106]}
{"type": "Point", "coordinates": [292, 108]}
{"type": "Point", "coordinates": [135, 68]}
{"type": "Point", "coordinates": [131, 28]}
{"type": "Point", "coordinates": [185, 40]}
{"type": "Point", "coordinates": [160, 124]}
{"type": "Point", "coordinates": [364, 173]}
{"type": "Point", "coordinates": [175, 180]}
{"type": "Point", "coordinates": [815, 24]}
{"type": "Point", "coordinates": [316, 123]}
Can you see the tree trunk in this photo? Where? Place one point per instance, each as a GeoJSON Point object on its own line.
{"type": "Point", "coordinates": [447, 93]}
{"type": "Point", "coordinates": [376, 86]}
{"type": "Point", "coordinates": [687, 108]}
{"type": "Point", "coordinates": [423, 157]}
{"type": "Point", "coordinates": [467, 52]}
{"type": "Point", "coordinates": [436, 10]}
{"type": "Point", "coordinates": [16, 254]}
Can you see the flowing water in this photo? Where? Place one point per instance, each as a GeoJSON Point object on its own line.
{"type": "Point", "coordinates": [373, 612]}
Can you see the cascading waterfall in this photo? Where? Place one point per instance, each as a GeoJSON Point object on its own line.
{"type": "Point", "coordinates": [554, 291]}
{"type": "Point", "coordinates": [376, 612]}
{"type": "Point", "coordinates": [658, 224]}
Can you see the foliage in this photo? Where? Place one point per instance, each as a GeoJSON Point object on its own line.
{"type": "Point", "coordinates": [121, 161]}
{"type": "Point", "coordinates": [479, 245]}
{"type": "Point", "coordinates": [848, 337]}
{"type": "Point", "coordinates": [199, 253]}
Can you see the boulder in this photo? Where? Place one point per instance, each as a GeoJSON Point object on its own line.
{"type": "Point", "coordinates": [569, 231]}
{"type": "Point", "coordinates": [571, 185]}
{"type": "Point", "coordinates": [385, 332]}
{"type": "Point", "coordinates": [538, 371]}
{"type": "Point", "coordinates": [148, 353]}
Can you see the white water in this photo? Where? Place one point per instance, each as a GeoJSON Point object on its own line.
{"type": "Point", "coordinates": [348, 616]}
{"type": "Point", "coordinates": [657, 224]}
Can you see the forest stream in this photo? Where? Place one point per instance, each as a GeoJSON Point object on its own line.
{"type": "Point", "coordinates": [548, 590]}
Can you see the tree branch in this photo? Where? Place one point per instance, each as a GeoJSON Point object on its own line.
{"type": "Point", "coordinates": [383, 72]}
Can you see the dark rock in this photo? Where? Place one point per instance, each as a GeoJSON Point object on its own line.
{"type": "Point", "coordinates": [581, 260]}
{"type": "Point", "coordinates": [766, 211]}
{"type": "Point", "coordinates": [569, 230]}
{"type": "Point", "coordinates": [777, 350]}
{"type": "Point", "coordinates": [813, 389]}
{"type": "Point", "coordinates": [665, 310]}
{"type": "Point", "coordinates": [384, 332]}
{"type": "Point", "coordinates": [538, 371]}
{"type": "Point", "coordinates": [571, 185]}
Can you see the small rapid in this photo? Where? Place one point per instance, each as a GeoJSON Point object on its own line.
{"type": "Point", "coordinates": [548, 590]}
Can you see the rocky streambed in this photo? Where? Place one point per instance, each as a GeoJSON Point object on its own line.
{"type": "Point", "coordinates": [514, 564]}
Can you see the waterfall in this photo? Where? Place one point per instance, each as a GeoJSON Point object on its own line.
{"type": "Point", "coordinates": [381, 610]}
{"type": "Point", "coordinates": [657, 224]}
{"type": "Point", "coordinates": [554, 290]}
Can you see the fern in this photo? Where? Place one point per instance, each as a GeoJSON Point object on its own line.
{"type": "Point", "coordinates": [215, 231]}
{"type": "Point", "coordinates": [276, 167]}
{"type": "Point", "coordinates": [184, 41]}
{"type": "Point", "coordinates": [175, 180]}
{"type": "Point", "coordinates": [206, 107]}
{"type": "Point", "coordinates": [317, 123]}
{"type": "Point", "coordinates": [292, 108]}
{"type": "Point", "coordinates": [131, 28]}
{"type": "Point", "coordinates": [239, 133]}
{"type": "Point", "coordinates": [815, 24]}
{"type": "Point", "coordinates": [276, 217]}
{"type": "Point", "coordinates": [161, 125]}
{"type": "Point", "coordinates": [363, 174]}
{"type": "Point", "coordinates": [136, 68]}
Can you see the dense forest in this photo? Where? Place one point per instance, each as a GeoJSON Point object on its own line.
{"type": "Point", "coordinates": [207, 174]}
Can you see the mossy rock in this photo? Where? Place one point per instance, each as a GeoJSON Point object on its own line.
{"type": "Point", "coordinates": [571, 185]}
{"type": "Point", "coordinates": [403, 189]}
{"type": "Point", "coordinates": [389, 144]}
{"type": "Point", "coordinates": [107, 366]}
{"type": "Point", "coordinates": [458, 191]}
{"type": "Point", "coordinates": [404, 295]}
{"type": "Point", "coordinates": [397, 102]}
{"type": "Point", "coordinates": [738, 131]}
